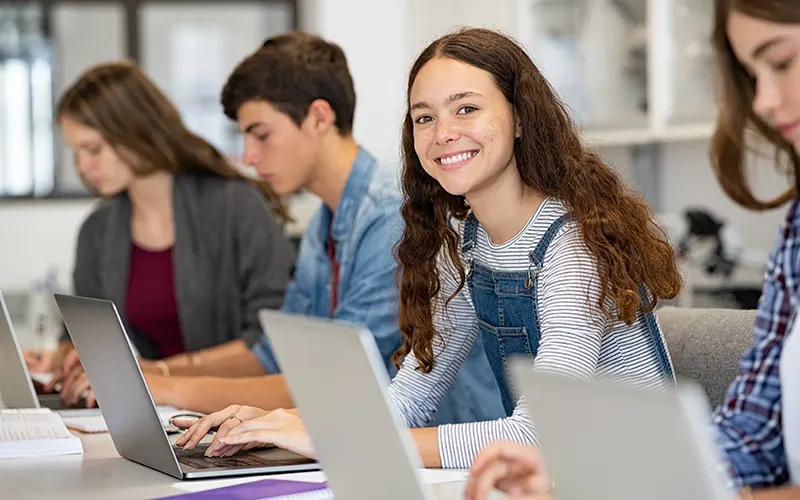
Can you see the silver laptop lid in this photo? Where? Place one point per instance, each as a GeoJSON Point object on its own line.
{"type": "Point", "coordinates": [338, 381]}
{"type": "Point", "coordinates": [16, 387]}
{"type": "Point", "coordinates": [122, 394]}
{"type": "Point", "coordinates": [605, 441]}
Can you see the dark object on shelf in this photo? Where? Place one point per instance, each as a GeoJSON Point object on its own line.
{"type": "Point", "coordinates": [701, 226]}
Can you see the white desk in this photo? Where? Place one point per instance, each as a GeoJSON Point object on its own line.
{"type": "Point", "coordinates": [100, 473]}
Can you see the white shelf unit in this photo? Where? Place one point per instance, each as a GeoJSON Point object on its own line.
{"type": "Point", "coordinates": [648, 135]}
{"type": "Point", "coordinates": [634, 71]}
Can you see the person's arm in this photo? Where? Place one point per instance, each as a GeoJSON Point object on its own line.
{"type": "Point", "coordinates": [265, 259]}
{"type": "Point", "coordinates": [210, 394]}
{"type": "Point", "coordinates": [416, 396]}
{"type": "Point", "coordinates": [747, 425]}
{"type": "Point", "coordinates": [231, 359]}
{"type": "Point", "coordinates": [571, 329]}
{"type": "Point", "coordinates": [774, 494]}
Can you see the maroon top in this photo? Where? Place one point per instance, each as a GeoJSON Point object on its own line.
{"type": "Point", "coordinates": [150, 303]}
{"type": "Point", "coordinates": [335, 272]}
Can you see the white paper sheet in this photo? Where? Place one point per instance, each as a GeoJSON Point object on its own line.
{"type": "Point", "coordinates": [97, 424]}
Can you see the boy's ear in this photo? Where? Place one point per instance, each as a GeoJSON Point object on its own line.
{"type": "Point", "coordinates": [321, 116]}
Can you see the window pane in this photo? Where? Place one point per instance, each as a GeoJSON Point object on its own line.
{"type": "Point", "coordinates": [190, 49]}
{"type": "Point", "coordinates": [85, 35]}
{"type": "Point", "coordinates": [26, 150]}
{"type": "Point", "coordinates": [593, 52]}
{"type": "Point", "coordinates": [690, 59]}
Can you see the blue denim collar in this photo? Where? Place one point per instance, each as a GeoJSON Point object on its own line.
{"type": "Point", "coordinates": [354, 190]}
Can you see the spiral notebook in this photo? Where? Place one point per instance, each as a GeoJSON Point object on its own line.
{"type": "Point", "coordinates": [267, 489]}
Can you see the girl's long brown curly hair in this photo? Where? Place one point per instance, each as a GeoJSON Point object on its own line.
{"type": "Point", "coordinates": [737, 90]}
{"type": "Point", "coordinates": [617, 225]}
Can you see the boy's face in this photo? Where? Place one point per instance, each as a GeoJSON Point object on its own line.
{"type": "Point", "coordinates": [283, 153]}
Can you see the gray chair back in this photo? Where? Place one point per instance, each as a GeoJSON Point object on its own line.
{"type": "Point", "coordinates": [706, 344]}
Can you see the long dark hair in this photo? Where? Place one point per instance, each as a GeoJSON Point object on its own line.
{"type": "Point", "coordinates": [617, 225]}
{"type": "Point", "coordinates": [736, 90]}
{"type": "Point", "coordinates": [136, 119]}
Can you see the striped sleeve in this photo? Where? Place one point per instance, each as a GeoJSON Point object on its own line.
{"type": "Point", "coordinates": [415, 395]}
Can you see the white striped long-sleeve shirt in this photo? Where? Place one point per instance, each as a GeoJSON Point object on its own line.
{"type": "Point", "coordinates": [575, 338]}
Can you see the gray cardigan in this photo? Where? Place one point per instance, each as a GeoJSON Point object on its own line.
{"type": "Point", "coordinates": [230, 259]}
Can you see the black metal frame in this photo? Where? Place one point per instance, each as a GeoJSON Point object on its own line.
{"type": "Point", "coordinates": [132, 50]}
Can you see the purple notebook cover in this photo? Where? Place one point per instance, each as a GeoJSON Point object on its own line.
{"type": "Point", "coordinates": [256, 490]}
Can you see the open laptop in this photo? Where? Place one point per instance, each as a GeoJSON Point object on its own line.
{"type": "Point", "coordinates": [128, 408]}
{"type": "Point", "coordinates": [16, 386]}
{"type": "Point", "coordinates": [606, 441]}
{"type": "Point", "coordinates": [338, 381]}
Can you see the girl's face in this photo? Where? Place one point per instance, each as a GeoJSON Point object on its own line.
{"type": "Point", "coordinates": [464, 128]}
{"type": "Point", "coordinates": [769, 52]}
{"type": "Point", "coordinates": [95, 160]}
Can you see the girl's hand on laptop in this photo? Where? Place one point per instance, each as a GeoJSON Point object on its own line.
{"type": "Point", "coordinates": [512, 468]}
{"type": "Point", "coordinates": [221, 422]}
{"type": "Point", "coordinates": [282, 428]}
{"type": "Point", "coordinates": [66, 365]}
{"type": "Point", "coordinates": [76, 386]}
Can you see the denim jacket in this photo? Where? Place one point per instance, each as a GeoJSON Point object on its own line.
{"type": "Point", "coordinates": [366, 226]}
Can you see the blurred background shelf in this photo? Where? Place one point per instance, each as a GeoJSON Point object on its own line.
{"type": "Point", "coordinates": [637, 136]}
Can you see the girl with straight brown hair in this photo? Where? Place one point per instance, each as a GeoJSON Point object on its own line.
{"type": "Point", "coordinates": [187, 249]}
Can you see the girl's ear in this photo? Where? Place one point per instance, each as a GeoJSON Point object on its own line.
{"type": "Point", "coordinates": [518, 126]}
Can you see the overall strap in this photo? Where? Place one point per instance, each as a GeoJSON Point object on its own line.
{"type": "Point", "coordinates": [658, 340]}
{"type": "Point", "coordinates": [469, 239]}
{"type": "Point", "coordinates": [537, 255]}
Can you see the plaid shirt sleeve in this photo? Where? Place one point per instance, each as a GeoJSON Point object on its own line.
{"type": "Point", "coordinates": [747, 426]}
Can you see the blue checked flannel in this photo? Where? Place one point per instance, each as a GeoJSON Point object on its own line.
{"type": "Point", "coordinates": [747, 426]}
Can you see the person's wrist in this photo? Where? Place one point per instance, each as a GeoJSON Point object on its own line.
{"type": "Point", "coordinates": [163, 367]}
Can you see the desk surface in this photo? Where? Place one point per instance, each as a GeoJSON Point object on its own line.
{"type": "Point", "coordinates": [100, 473]}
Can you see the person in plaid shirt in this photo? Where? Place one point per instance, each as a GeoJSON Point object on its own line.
{"type": "Point", "coordinates": [757, 43]}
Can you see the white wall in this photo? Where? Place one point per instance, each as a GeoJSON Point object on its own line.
{"type": "Point", "coordinates": [378, 57]}
{"type": "Point", "coordinates": [36, 236]}
{"type": "Point", "coordinates": [688, 180]}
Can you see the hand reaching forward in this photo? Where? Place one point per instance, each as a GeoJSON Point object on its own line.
{"type": "Point", "coordinates": [512, 468]}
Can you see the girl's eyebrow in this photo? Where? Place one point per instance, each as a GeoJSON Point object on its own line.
{"type": "Point", "coordinates": [450, 100]}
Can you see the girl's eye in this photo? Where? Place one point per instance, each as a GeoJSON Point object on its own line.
{"type": "Point", "coordinates": [467, 109]}
{"type": "Point", "coordinates": [783, 66]}
{"type": "Point", "coordinates": [422, 119]}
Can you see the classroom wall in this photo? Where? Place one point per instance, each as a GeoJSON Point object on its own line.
{"type": "Point", "coordinates": [39, 234]}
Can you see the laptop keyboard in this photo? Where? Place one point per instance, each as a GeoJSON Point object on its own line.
{"type": "Point", "coordinates": [196, 459]}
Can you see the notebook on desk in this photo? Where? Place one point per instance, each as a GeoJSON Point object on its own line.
{"type": "Point", "coordinates": [266, 489]}
{"type": "Point", "coordinates": [35, 433]}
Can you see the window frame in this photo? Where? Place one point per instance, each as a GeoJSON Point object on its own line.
{"type": "Point", "coordinates": [132, 20]}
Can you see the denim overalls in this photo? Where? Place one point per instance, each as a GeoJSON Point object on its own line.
{"type": "Point", "coordinates": [506, 306]}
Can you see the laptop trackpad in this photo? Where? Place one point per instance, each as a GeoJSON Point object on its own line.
{"type": "Point", "coordinates": [273, 457]}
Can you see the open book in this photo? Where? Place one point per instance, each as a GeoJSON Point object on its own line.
{"type": "Point", "coordinates": [35, 433]}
